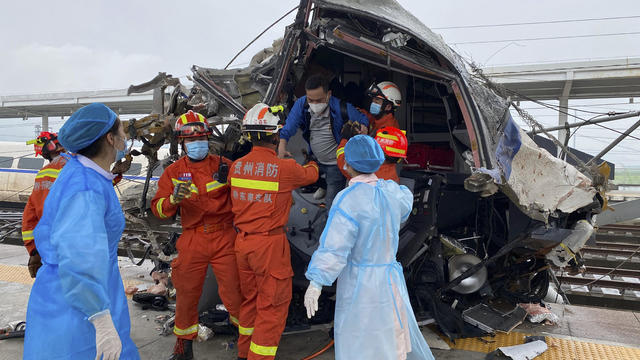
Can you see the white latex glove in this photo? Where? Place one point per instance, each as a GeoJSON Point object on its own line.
{"type": "Point", "coordinates": [311, 299]}
{"type": "Point", "coordinates": [108, 345]}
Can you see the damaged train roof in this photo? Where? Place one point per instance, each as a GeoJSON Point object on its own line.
{"type": "Point", "coordinates": [497, 145]}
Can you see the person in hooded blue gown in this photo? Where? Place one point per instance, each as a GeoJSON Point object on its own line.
{"type": "Point", "coordinates": [77, 306]}
{"type": "Point", "coordinates": [373, 315]}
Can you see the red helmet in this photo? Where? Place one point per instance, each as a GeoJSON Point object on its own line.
{"type": "Point", "coordinates": [192, 124]}
{"type": "Point", "coordinates": [393, 142]}
{"type": "Point", "coordinates": [46, 144]}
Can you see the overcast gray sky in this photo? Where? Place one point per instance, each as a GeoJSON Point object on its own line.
{"type": "Point", "coordinates": [75, 45]}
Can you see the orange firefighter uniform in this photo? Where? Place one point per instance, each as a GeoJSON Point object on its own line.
{"type": "Point", "coordinates": [376, 124]}
{"type": "Point", "coordinates": [387, 170]}
{"type": "Point", "coordinates": [261, 186]}
{"type": "Point", "coordinates": [33, 210]}
{"type": "Point", "coordinates": [207, 238]}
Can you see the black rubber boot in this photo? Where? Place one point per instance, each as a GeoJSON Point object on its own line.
{"type": "Point", "coordinates": [242, 358]}
{"type": "Point", "coordinates": [183, 350]}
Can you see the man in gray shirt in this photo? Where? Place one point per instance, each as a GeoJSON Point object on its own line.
{"type": "Point", "coordinates": [321, 117]}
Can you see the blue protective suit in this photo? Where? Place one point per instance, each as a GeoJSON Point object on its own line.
{"type": "Point", "coordinates": [77, 238]}
{"type": "Point", "coordinates": [373, 317]}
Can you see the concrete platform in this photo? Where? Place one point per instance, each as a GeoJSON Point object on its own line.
{"type": "Point", "coordinates": [583, 332]}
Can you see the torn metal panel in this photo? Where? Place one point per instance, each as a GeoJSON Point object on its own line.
{"type": "Point", "coordinates": [565, 251]}
{"type": "Point", "coordinates": [490, 320]}
{"type": "Point", "coordinates": [526, 351]}
{"type": "Point", "coordinates": [538, 181]}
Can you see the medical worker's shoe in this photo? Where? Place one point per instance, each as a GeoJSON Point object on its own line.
{"type": "Point", "coordinates": [183, 350]}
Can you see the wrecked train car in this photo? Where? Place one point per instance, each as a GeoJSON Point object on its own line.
{"type": "Point", "coordinates": [492, 211]}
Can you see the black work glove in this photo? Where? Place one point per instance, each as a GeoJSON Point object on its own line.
{"type": "Point", "coordinates": [350, 129]}
{"type": "Point", "coordinates": [180, 192]}
{"type": "Point", "coordinates": [34, 263]}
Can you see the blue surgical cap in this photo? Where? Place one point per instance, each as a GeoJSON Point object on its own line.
{"type": "Point", "coordinates": [364, 154]}
{"type": "Point", "coordinates": [85, 126]}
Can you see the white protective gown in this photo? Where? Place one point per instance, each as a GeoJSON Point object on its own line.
{"type": "Point", "coordinates": [373, 317]}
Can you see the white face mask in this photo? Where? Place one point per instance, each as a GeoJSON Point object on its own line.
{"type": "Point", "coordinates": [318, 108]}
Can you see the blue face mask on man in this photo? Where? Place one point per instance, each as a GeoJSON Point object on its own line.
{"type": "Point", "coordinates": [197, 150]}
{"type": "Point", "coordinates": [375, 108]}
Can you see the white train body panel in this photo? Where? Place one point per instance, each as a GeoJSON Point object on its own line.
{"type": "Point", "coordinates": [19, 166]}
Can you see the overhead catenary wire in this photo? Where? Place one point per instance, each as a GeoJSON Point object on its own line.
{"type": "Point", "coordinates": [559, 109]}
{"type": "Point", "coordinates": [592, 58]}
{"type": "Point", "coordinates": [259, 35]}
{"type": "Point", "coordinates": [537, 22]}
{"type": "Point", "coordinates": [546, 38]}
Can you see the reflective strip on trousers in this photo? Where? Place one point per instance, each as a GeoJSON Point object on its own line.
{"type": "Point", "coordinates": [263, 350]}
{"type": "Point", "coordinates": [245, 331]}
{"type": "Point", "coordinates": [214, 185]}
{"type": "Point", "coordinates": [159, 208]}
{"type": "Point", "coordinates": [27, 235]}
{"type": "Point", "coordinates": [255, 184]}
{"type": "Point", "coordinates": [188, 331]}
{"type": "Point", "coordinates": [234, 320]}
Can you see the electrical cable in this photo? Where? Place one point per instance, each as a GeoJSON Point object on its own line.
{"type": "Point", "coordinates": [546, 38]}
{"type": "Point", "coordinates": [320, 352]}
{"type": "Point", "coordinates": [536, 22]}
{"type": "Point", "coordinates": [566, 113]}
{"type": "Point", "coordinates": [16, 193]}
{"type": "Point", "coordinates": [259, 35]}
{"type": "Point", "coordinates": [614, 269]}
{"type": "Point", "coordinates": [14, 158]}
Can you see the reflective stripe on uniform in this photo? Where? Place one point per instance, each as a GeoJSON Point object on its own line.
{"type": "Point", "coordinates": [255, 184]}
{"type": "Point", "coordinates": [312, 165]}
{"type": "Point", "coordinates": [214, 185]}
{"type": "Point", "coordinates": [52, 173]}
{"type": "Point", "coordinates": [188, 331]}
{"type": "Point", "coordinates": [395, 150]}
{"type": "Point", "coordinates": [234, 320]}
{"type": "Point", "coordinates": [263, 350]}
{"type": "Point", "coordinates": [339, 152]}
{"type": "Point", "coordinates": [27, 235]}
{"type": "Point", "coordinates": [244, 330]}
{"type": "Point", "coordinates": [159, 208]}
{"type": "Point", "coordinates": [193, 187]}
{"type": "Point", "coordinates": [387, 136]}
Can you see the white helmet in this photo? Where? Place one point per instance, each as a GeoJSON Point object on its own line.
{"type": "Point", "coordinates": [387, 90]}
{"type": "Point", "coordinates": [262, 118]}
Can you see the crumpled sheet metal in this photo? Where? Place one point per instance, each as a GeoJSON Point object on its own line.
{"type": "Point", "coordinates": [539, 181]}
{"type": "Point", "coordinates": [526, 351]}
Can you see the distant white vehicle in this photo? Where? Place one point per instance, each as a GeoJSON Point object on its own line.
{"type": "Point", "coordinates": [19, 166]}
